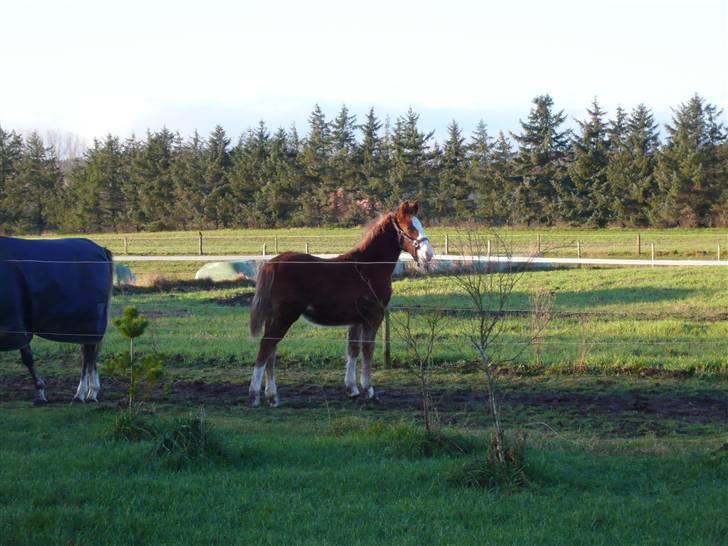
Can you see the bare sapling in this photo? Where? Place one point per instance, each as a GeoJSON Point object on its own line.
{"type": "Point", "coordinates": [420, 337]}
{"type": "Point", "coordinates": [489, 279]}
{"type": "Point", "coordinates": [542, 303]}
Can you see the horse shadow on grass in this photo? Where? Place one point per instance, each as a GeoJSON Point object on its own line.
{"type": "Point", "coordinates": [614, 298]}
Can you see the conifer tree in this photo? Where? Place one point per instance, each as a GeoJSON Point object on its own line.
{"type": "Point", "coordinates": [410, 174]}
{"type": "Point", "coordinates": [690, 174]}
{"type": "Point", "coordinates": [451, 192]}
{"type": "Point", "coordinates": [11, 146]}
{"type": "Point", "coordinates": [541, 163]}
{"type": "Point", "coordinates": [586, 197]}
{"type": "Point", "coordinates": [34, 193]}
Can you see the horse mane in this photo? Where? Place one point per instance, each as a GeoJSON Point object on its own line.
{"type": "Point", "coordinates": [374, 228]}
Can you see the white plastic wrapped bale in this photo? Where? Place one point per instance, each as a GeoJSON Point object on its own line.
{"type": "Point", "coordinates": [123, 275]}
{"type": "Point", "coordinates": [228, 271]}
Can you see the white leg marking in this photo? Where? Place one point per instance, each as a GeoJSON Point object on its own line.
{"type": "Point", "coordinates": [94, 385]}
{"type": "Point", "coordinates": [82, 389]}
{"type": "Point", "coordinates": [255, 384]}
{"type": "Point", "coordinates": [350, 378]}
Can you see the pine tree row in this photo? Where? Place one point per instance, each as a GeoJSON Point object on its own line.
{"type": "Point", "coordinates": [606, 172]}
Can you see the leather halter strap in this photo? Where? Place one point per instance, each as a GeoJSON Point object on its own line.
{"type": "Point", "coordinates": [404, 235]}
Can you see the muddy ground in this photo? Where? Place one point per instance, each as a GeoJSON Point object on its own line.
{"type": "Point", "coordinates": [627, 413]}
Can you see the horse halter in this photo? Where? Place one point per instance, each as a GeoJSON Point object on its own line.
{"type": "Point", "coordinates": [416, 243]}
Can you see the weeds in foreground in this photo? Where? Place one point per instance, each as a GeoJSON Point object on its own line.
{"type": "Point", "coordinates": [133, 426]}
{"type": "Point", "coordinates": [492, 472]}
{"type": "Point", "coordinates": [190, 439]}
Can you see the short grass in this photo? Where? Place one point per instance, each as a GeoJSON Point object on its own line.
{"type": "Point", "coordinates": [702, 243]}
{"type": "Point", "coordinates": [609, 320]}
{"type": "Point", "coordinates": [287, 480]}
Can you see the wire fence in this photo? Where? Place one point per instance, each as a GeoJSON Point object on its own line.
{"type": "Point", "coordinates": [711, 244]}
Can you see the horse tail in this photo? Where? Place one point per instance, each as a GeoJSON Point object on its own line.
{"type": "Point", "coordinates": [260, 309]}
{"type": "Point", "coordinates": [110, 258]}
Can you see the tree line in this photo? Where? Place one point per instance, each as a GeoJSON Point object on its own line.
{"type": "Point", "coordinates": [615, 171]}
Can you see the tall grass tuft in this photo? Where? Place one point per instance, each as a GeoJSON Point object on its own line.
{"type": "Point", "coordinates": [191, 439]}
{"type": "Point", "coordinates": [490, 472]}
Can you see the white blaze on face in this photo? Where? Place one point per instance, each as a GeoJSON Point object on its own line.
{"type": "Point", "coordinates": [425, 252]}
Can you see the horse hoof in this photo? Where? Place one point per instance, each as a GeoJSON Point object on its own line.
{"type": "Point", "coordinates": [273, 401]}
{"type": "Point", "coordinates": [353, 392]}
{"type": "Point", "coordinates": [254, 401]}
{"type": "Point", "coordinates": [369, 393]}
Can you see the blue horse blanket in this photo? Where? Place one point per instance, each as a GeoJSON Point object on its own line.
{"type": "Point", "coordinates": [56, 289]}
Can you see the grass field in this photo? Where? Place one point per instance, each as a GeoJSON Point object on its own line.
{"type": "Point", "coordinates": [687, 243]}
{"type": "Point", "coordinates": [626, 416]}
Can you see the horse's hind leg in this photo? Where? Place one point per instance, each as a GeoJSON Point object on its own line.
{"type": "Point", "coordinates": [273, 333]}
{"type": "Point", "coordinates": [271, 391]}
{"type": "Point", "coordinates": [91, 353]}
{"type": "Point", "coordinates": [352, 355]}
{"type": "Point", "coordinates": [89, 385]}
{"type": "Point", "coordinates": [26, 356]}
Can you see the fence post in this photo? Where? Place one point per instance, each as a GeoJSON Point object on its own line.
{"type": "Point", "coordinates": [639, 246]}
{"type": "Point", "coordinates": [263, 249]}
{"type": "Point", "coordinates": [199, 236]}
{"type": "Point", "coordinates": [447, 244]}
{"type": "Point", "coordinates": [578, 249]}
{"type": "Point", "coordinates": [718, 251]}
{"type": "Point", "coordinates": [652, 246]}
{"type": "Point", "coordinates": [307, 252]}
{"type": "Point", "coordinates": [387, 341]}
{"type": "Point", "coordinates": [488, 249]}
{"type": "Point", "coordinates": [275, 244]}
{"type": "Point", "coordinates": [538, 243]}
{"type": "Point", "coordinates": [126, 245]}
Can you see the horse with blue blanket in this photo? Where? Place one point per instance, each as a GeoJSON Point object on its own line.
{"type": "Point", "coordinates": [58, 290]}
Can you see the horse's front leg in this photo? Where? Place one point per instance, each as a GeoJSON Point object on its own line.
{"type": "Point", "coordinates": [352, 355]}
{"type": "Point", "coordinates": [369, 335]}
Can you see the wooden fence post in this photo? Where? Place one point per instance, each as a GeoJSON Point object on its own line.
{"type": "Point", "coordinates": [639, 246]}
{"type": "Point", "coordinates": [387, 341]}
{"type": "Point", "coordinates": [578, 249]}
{"type": "Point", "coordinates": [199, 236]}
{"type": "Point", "coordinates": [447, 244]}
{"type": "Point", "coordinates": [652, 246]}
{"type": "Point", "coordinates": [307, 252]}
{"type": "Point", "coordinates": [488, 249]}
{"type": "Point", "coordinates": [263, 249]}
{"type": "Point", "coordinates": [718, 251]}
{"type": "Point", "coordinates": [126, 245]}
{"type": "Point", "coordinates": [275, 244]}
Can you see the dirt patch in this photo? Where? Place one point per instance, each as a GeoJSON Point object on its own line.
{"type": "Point", "coordinates": [243, 300]}
{"type": "Point", "coordinates": [623, 412]}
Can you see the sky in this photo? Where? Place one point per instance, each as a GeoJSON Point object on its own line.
{"type": "Point", "coordinates": [93, 67]}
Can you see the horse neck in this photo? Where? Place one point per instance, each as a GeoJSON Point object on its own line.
{"type": "Point", "coordinates": [383, 247]}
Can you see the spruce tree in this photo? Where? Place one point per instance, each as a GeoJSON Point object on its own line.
{"type": "Point", "coordinates": [11, 146]}
{"type": "Point", "coordinates": [541, 163]}
{"type": "Point", "coordinates": [34, 194]}
{"type": "Point", "coordinates": [585, 200]}
{"type": "Point", "coordinates": [410, 174]}
{"type": "Point", "coordinates": [690, 175]}
{"type": "Point", "coordinates": [451, 193]}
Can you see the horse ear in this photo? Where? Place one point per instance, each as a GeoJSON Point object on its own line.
{"type": "Point", "coordinates": [403, 209]}
{"type": "Point", "coordinates": [415, 207]}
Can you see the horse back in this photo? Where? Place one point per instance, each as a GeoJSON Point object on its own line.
{"type": "Point", "coordinates": [57, 289]}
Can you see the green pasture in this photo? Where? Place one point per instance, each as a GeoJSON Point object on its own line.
{"type": "Point", "coordinates": [605, 320]}
{"type": "Point", "coordinates": [601, 243]}
{"type": "Point", "coordinates": [288, 479]}
{"type": "Point", "coordinates": [333, 473]}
